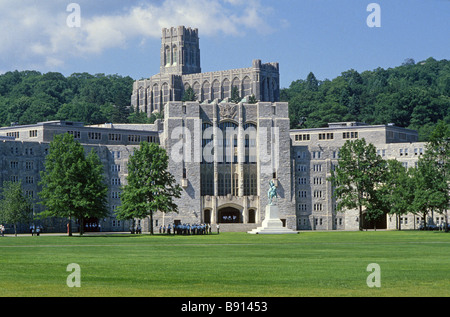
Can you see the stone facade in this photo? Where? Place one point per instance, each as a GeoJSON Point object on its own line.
{"type": "Point", "coordinates": [223, 154]}
{"type": "Point", "coordinates": [315, 152]}
{"type": "Point", "coordinates": [23, 150]}
{"type": "Point", "coordinates": [220, 188]}
{"type": "Point", "coordinates": [180, 68]}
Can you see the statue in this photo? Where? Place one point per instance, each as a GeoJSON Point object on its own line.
{"type": "Point", "coordinates": [272, 193]}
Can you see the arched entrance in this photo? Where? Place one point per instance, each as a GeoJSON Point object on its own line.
{"type": "Point", "coordinates": [229, 215]}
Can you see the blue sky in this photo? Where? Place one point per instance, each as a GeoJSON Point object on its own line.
{"type": "Point", "coordinates": [325, 37]}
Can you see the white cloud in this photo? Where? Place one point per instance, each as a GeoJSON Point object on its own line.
{"type": "Point", "coordinates": [36, 32]}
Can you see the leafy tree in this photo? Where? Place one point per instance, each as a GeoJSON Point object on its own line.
{"type": "Point", "coordinates": [415, 95]}
{"type": "Point", "coordinates": [150, 187]}
{"type": "Point", "coordinates": [72, 186]}
{"type": "Point", "coordinates": [356, 177]}
{"type": "Point", "coordinates": [438, 153]}
{"type": "Point", "coordinates": [311, 82]}
{"type": "Point", "coordinates": [189, 95]}
{"type": "Point", "coordinates": [396, 191]}
{"type": "Point", "coordinates": [15, 207]}
{"type": "Point", "coordinates": [430, 188]}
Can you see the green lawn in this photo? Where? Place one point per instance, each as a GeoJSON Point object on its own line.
{"type": "Point", "coordinates": [229, 264]}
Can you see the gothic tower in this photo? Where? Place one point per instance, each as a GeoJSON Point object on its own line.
{"type": "Point", "coordinates": [180, 51]}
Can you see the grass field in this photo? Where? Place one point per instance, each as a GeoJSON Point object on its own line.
{"type": "Point", "coordinates": [229, 264]}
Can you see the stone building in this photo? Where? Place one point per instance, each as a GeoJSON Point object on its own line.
{"type": "Point", "coordinates": [223, 154]}
{"type": "Point", "coordinates": [180, 68]}
{"type": "Point", "coordinates": [315, 153]}
{"type": "Point", "coordinates": [23, 150]}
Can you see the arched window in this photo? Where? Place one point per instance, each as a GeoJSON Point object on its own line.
{"type": "Point", "coordinates": [250, 135]}
{"type": "Point", "coordinates": [215, 93]}
{"type": "Point", "coordinates": [174, 55]}
{"type": "Point", "coordinates": [156, 94]}
{"type": "Point", "coordinates": [167, 60]}
{"type": "Point", "coordinates": [206, 95]}
{"type": "Point", "coordinates": [228, 143]}
{"type": "Point", "coordinates": [197, 91]}
{"type": "Point", "coordinates": [237, 83]}
{"type": "Point", "coordinates": [165, 93]}
{"type": "Point", "coordinates": [247, 88]}
{"type": "Point", "coordinates": [226, 92]}
{"type": "Point", "coordinates": [207, 139]}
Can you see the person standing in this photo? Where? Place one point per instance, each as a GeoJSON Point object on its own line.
{"type": "Point", "coordinates": [218, 229]}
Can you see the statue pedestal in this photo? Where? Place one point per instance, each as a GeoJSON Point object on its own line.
{"type": "Point", "coordinates": [272, 223]}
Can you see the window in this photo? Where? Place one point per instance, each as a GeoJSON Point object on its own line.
{"type": "Point", "coordinates": [301, 168]}
{"type": "Point", "coordinates": [115, 154]}
{"type": "Point", "coordinates": [94, 135]}
{"type": "Point", "coordinates": [114, 137]}
{"type": "Point", "coordinates": [302, 137]}
{"type": "Point", "coordinates": [115, 195]}
{"type": "Point", "coordinates": [14, 164]}
{"type": "Point", "coordinates": [33, 133]}
{"type": "Point", "coordinates": [350, 135]}
{"type": "Point", "coordinates": [326, 136]}
{"type": "Point", "coordinates": [115, 168]}
{"type": "Point", "coordinates": [134, 138]}
{"type": "Point", "coordinates": [302, 194]}
{"type": "Point", "coordinates": [76, 134]}
{"type": "Point", "coordinates": [13, 134]}
{"type": "Point", "coordinates": [115, 181]}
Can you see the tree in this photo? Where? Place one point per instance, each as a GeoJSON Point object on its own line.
{"type": "Point", "coordinates": [430, 188]}
{"type": "Point", "coordinates": [15, 207]}
{"type": "Point", "coordinates": [252, 100]}
{"type": "Point", "coordinates": [95, 189]}
{"type": "Point", "coordinates": [189, 95]}
{"type": "Point", "coordinates": [356, 177]}
{"type": "Point", "coordinates": [438, 155]}
{"type": "Point", "coordinates": [235, 98]}
{"type": "Point", "coordinates": [151, 187]}
{"type": "Point", "coordinates": [311, 82]}
{"type": "Point", "coordinates": [396, 192]}
{"type": "Point", "coordinates": [72, 186]}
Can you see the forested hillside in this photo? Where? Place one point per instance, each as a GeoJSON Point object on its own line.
{"type": "Point", "coordinates": [413, 95]}
{"type": "Point", "coordinates": [29, 97]}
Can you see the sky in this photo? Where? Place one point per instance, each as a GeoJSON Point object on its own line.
{"type": "Point", "coordinates": [326, 37]}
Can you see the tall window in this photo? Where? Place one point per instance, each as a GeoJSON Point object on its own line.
{"type": "Point", "coordinates": [174, 55]}
{"type": "Point", "coordinates": [167, 61]}
{"type": "Point", "coordinates": [228, 142]}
